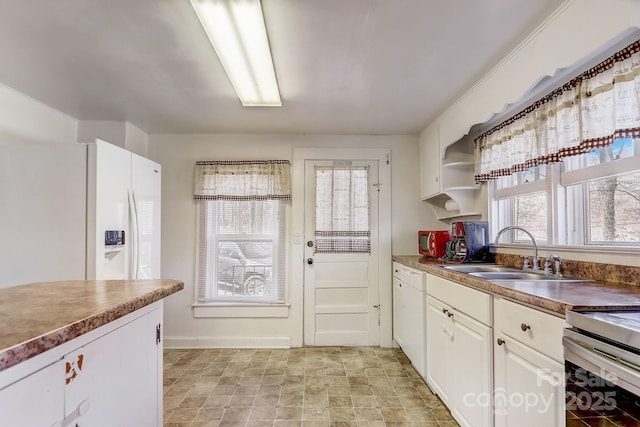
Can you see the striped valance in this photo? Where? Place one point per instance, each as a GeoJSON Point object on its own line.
{"type": "Point", "coordinates": [242, 180]}
{"type": "Point", "coordinates": [591, 111]}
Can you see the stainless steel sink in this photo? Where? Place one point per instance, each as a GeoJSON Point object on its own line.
{"type": "Point", "coordinates": [524, 275]}
{"type": "Point", "coordinates": [472, 268]}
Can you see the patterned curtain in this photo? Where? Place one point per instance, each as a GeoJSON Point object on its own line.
{"type": "Point", "coordinates": [591, 111]}
{"type": "Point", "coordinates": [242, 180]}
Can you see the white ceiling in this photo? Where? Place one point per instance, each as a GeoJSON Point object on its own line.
{"type": "Point", "coordinates": [344, 66]}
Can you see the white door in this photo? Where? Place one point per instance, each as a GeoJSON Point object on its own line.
{"type": "Point", "coordinates": [109, 180]}
{"type": "Point", "coordinates": [439, 346]}
{"type": "Point", "coordinates": [341, 272]}
{"type": "Point", "coordinates": [145, 184]}
{"type": "Point", "coordinates": [529, 387]}
{"type": "Point", "coordinates": [115, 378]}
{"type": "Point", "coordinates": [471, 380]}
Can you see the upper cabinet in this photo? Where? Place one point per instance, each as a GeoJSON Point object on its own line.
{"type": "Point", "coordinates": [446, 175]}
{"type": "Point", "coordinates": [430, 162]}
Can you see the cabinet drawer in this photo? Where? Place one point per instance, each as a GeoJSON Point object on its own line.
{"type": "Point", "coordinates": [534, 328]}
{"type": "Point", "coordinates": [475, 304]}
{"type": "Point", "coordinates": [409, 276]}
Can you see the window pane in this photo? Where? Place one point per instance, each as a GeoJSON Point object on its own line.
{"type": "Point", "coordinates": [242, 251]}
{"type": "Point", "coordinates": [614, 209]}
{"type": "Point", "coordinates": [342, 209]}
{"type": "Point", "coordinates": [620, 149]}
{"type": "Point", "coordinates": [244, 268]}
{"type": "Point", "coordinates": [535, 173]}
{"type": "Point", "coordinates": [530, 213]}
{"type": "Point", "coordinates": [244, 217]}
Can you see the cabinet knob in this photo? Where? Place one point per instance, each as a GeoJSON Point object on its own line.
{"type": "Point", "coordinates": [500, 341]}
{"type": "Point", "coordinates": [524, 327]}
{"type": "Point", "coordinates": [449, 314]}
{"type": "Point", "coordinates": [445, 311]}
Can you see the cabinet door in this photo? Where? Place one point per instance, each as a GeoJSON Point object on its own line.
{"type": "Point", "coordinates": [529, 387]}
{"type": "Point", "coordinates": [146, 184]}
{"type": "Point", "coordinates": [36, 400]}
{"type": "Point", "coordinates": [398, 313]}
{"type": "Point", "coordinates": [414, 306]}
{"type": "Point", "coordinates": [439, 337]}
{"type": "Point", "coordinates": [471, 372]}
{"type": "Point", "coordinates": [430, 162]}
{"type": "Point", "coordinates": [118, 376]}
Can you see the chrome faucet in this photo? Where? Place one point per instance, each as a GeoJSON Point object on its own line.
{"type": "Point", "coordinates": [536, 260]}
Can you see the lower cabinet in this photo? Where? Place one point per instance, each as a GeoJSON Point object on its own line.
{"type": "Point", "coordinates": [409, 314]}
{"type": "Point", "coordinates": [36, 400]}
{"type": "Point", "coordinates": [113, 381]}
{"type": "Point", "coordinates": [529, 390]}
{"type": "Point", "coordinates": [459, 352]}
{"type": "Point", "coordinates": [528, 366]}
{"type": "Point", "coordinates": [111, 376]}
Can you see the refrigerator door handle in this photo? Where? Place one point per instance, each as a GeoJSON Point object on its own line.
{"type": "Point", "coordinates": [135, 234]}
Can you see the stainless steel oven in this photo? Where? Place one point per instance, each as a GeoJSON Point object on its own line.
{"type": "Point", "coordinates": [602, 364]}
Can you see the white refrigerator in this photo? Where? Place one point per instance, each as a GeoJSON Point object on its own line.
{"type": "Point", "coordinates": [77, 211]}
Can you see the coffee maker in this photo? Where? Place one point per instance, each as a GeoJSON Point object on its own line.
{"type": "Point", "coordinates": [470, 242]}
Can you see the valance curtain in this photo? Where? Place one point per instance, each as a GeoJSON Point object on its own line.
{"type": "Point", "coordinates": [591, 111]}
{"type": "Point", "coordinates": [242, 180]}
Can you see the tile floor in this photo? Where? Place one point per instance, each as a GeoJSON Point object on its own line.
{"type": "Point", "coordinates": [316, 386]}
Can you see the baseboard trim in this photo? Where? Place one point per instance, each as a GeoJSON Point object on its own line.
{"type": "Point", "coordinates": [226, 342]}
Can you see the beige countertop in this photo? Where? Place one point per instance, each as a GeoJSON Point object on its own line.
{"type": "Point", "coordinates": [40, 316]}
{"type": "Point", "coordinates": [557, 297]}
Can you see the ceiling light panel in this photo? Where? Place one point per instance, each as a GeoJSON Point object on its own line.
{"type": "Point", "coordinates": [238, 34]}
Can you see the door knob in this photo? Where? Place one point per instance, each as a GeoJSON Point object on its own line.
{"type": "Point", "coordinates": [310, 261]}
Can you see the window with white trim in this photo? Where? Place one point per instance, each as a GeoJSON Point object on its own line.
{"type": "Point", "coordinates": [242, 209]}
{"type": "Point", "coordinates": [241, 251]}
{"type": "Point", "coordinates": [567, 168]}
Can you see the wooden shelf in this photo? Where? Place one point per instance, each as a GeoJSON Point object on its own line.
{"type": "Point", "coordinates": [458, 165]}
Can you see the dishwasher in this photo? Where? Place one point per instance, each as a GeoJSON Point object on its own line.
{"type": "Point", "coordinates": [409, 314]}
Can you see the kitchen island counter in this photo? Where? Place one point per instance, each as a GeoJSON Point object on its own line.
{"type": "Point", "coordinates": [38, 317]}
{"type": "Point", "coordinates": [557, 297]}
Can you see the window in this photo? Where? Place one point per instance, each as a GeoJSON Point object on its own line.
{"type": "Point", "coordinates": [567, 167]}
{"type": "Point", "coordinates": [594, 199]}
{"type": "Point", "coordinates": [241, 231]}
{"type": "Point", "coordinates": [242, 251]}
{"type": "Point", "coordinates": [605, 185]}
{"type": "Point", "coordinates": [342, 209]}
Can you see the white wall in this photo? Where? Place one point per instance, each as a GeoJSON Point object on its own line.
{"type": "Point", "coordinates": [23, 119]}
{"type": "Point", "coordinates": [177, 155]}
{"type": "Point", "coordinates": [568, 36]}
{"type": "Point", "coordinates": [122, 134]}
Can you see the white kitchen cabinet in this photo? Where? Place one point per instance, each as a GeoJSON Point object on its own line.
{"type": "Point", "coordinates": [409, 314]}
{"type": "Point", "coordinates": [459, 353]}
{"type": "Point", "coordinates": [36, 400]}
{"type": "Point", "coordinates": [528, 366]}
{"type": "Point", "coordinates": [110, 376]}
{"type": "Point", "coordinates": [439, 349]}
{"type": "Point", "coordinates": [447, 175]}
{"type": "Point", "coordinates": [117, 374]}
{"type": "Point", "coordinates": [430, 161]}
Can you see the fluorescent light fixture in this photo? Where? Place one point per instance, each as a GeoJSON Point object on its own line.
{"type": "Point", "coordinates": [237, 32]}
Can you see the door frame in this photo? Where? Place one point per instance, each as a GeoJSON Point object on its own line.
{"type": "Point", "coordinates": [385, 289]}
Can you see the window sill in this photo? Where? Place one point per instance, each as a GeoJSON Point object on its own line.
{"type": "Point", "coordinates": [240, 310]}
